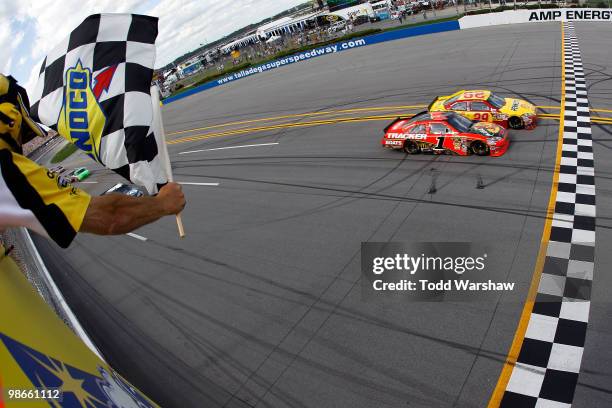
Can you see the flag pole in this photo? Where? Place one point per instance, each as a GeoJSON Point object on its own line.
{"type": "Point", "coordinates": [160, 135]}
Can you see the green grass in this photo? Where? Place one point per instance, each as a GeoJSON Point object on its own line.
{"type": "Point", "coordinates": [597, 3]}
{"type": "Point", "coordinates": [212, 77]}
{"type": "Point", "coordinates": [228, 71]}
{"type": "Point", "coordinates": [64, 153]}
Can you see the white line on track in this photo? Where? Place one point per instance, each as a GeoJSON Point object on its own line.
{"type": "Point", "coordinates": [138, 237]}
{"type": "Point", "coordinates": [87, 182]}
{"type": "Point", "coordinates": [187, 183]}
{"type": "Point", "coordinates": [230, 147]}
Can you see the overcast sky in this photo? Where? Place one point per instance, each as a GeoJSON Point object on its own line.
{"type": "Point", "coordinates": [29, 29]}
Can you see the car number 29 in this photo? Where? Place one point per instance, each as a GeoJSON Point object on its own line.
{"type": "Point", "coordinates": [481, 116]}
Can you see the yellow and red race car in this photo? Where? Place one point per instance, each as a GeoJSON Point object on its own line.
{"type": "Point", "coordinates": [487, 106]}
{"type": "Point", "coordinates": [445, 132]}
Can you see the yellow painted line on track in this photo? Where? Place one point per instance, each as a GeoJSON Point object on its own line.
{"type": "Point", "coordinates": [594, 119]}
{"type": "Point", "coordinates": [605, 121]}
{"type": "Point", "coordinates": [519, 335]}
{"type": "Point", "coordinates": [601, 110]}
{"type": "Point", "coordinates": [344, 111]}
{"type": "Point", "coordinates": [298, 115]}
{"type": "Point", "coordinates": [354, 119]}
{"type": "Point", "coordinates": [283, 126]}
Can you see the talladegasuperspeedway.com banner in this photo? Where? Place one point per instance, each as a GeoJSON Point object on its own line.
{"type": "Point", "coordinates": [436, 271]}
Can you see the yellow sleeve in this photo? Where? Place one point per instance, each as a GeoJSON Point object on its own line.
{"type": "Point", "coordinates": [40, 200]}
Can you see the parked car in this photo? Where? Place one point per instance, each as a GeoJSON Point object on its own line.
{"type": "Point", "coordinates": [78, 174]}
{"type": "Point", "coordinates": [337, 26]}
{"type": "Point", "coordinates": [59, 170]}
{"type": "Point", "coordinates": [125, 189]}
{"type": "Point", "coordinates": [413, 8]}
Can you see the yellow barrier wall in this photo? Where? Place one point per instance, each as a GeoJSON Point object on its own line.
{"type": "Point", "coordinates": [39, 354]}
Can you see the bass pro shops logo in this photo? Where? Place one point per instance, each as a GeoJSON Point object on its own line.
{"type": "Point", "coordinates": [81, 118]}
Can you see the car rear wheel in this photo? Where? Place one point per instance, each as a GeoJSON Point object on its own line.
{"type": "Point", "coordinates": [411, 147]}
{"type": "Point", "coordinates": [516, 123]}
{"type": "Point", "coordinates": [480, 148]}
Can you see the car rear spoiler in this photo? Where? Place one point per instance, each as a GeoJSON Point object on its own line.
{"type": "Point", "coordinates": [402, 118]}
{"type": "Point", "coordinates": [392, 123]}
{"type": "Point", "coordinates": [432, 103]}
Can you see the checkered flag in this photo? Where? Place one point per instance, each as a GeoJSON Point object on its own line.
{"type": "Point", "coordinates": [94, 89]}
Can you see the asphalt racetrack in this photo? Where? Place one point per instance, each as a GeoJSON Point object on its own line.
{"type": "Point", "coordinates": [261, 305]}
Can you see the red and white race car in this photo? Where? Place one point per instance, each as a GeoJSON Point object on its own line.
{"type": "Point", "coordinates": [445, 132]}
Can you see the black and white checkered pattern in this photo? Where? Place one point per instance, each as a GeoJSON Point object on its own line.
{"type": "Point", "coordinates": [127, 42]}
{"type": "Point", "coordinates": [548, 365]}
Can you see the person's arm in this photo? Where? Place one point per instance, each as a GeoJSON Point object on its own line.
{"type": "Point", "coordinates": [33, 197]}
{"type": "Point", "coordinates": [116, 214]}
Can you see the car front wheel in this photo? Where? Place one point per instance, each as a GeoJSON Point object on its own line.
{"type": "Point", "coordinates": [480, 148]}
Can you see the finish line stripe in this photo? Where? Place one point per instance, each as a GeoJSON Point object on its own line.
{"type": "Point", "coordinates": [545, 370]}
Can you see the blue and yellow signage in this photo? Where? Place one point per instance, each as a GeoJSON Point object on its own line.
{"type": "Point", "coordinates": [43, 363]}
